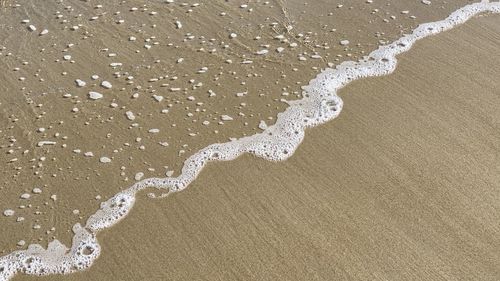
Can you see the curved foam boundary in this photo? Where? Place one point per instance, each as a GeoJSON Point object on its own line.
{"type": "Point", "coordinates": [319, 105]}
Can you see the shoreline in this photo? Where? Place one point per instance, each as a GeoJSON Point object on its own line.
{"type": "Point", "coordinates": [407, 190]}
{"type": "Point", "coordinates": [100, 221]}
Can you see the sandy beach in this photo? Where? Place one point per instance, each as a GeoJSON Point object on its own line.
{"type": "Point", "coordinates": [174, 89]}
{"type": "Point", "coordinates": [402, 186]}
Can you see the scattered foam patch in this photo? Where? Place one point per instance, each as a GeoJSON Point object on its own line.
{"type": "Point", "coordinates": [319, 105]}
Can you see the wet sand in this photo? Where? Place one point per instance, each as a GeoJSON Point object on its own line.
{"type": "Point", "coordinates": [41, 101]}
{"type": "Point", "coordinates": [404, 185]}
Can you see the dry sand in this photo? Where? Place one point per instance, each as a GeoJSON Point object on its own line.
{"type": "Point", "coordinates": [404, 185]}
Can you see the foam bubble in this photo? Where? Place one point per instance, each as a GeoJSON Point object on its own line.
{"type": "Point", "coordinates": [56, 259]}
{"type": "Point", "coordinates": [319, 105]}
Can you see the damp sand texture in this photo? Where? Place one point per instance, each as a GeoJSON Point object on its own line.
{"type": "Point", "coordinates": [106, 88]}
{"type": "Point", "coordinates": [404, 185]}
{"type": "Point", "coordinates": [124, 198]}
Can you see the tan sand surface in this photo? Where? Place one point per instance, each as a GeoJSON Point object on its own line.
{"type": "Point", "coordinates": [404, 185]}
{"type": "Point", "coordinates": [41, 101]}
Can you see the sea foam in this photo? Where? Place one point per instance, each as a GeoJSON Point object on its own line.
{"type": "Point", "coordinates": [319, 105]}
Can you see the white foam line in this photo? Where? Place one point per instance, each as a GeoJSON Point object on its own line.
{"type": "Point", "coordinates": [319, 105]}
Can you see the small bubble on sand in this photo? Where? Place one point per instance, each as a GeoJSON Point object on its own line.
{"type": "Point", "coordinates": [262, 52]}
{"type": "Point", "coordinates": [25, 196]}
{"type": "Point", "coordinates": [262, 125]}
{"type": "Point", "coordinates": [105, 159]}
{"type": "Point", "coordinates": [80, 83]}
{"type": "Point", "coordinates": [8, 213]}
{"type": "Point", "coordinates": [344, 42]}
{"type": "Point", "coordinates": [139, 176]}
{"type": "Point", "coordinates": [95, 95]}
{"type": "Point", "coordinates": [106, 84]}
{"type": "Point", "coordinates": [226, 118]}
{"type": "Point", "coordinates": [130, 115]}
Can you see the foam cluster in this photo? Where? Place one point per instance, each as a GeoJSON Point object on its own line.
{"type": "Point", "coordinates": [56, 259]}
{"type": "Point", "coordinates": [319, 105]}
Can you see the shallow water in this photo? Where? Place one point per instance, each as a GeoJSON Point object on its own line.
{"type": "Point", "coordinates": [101, 127]}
